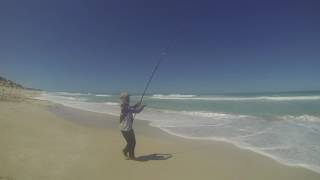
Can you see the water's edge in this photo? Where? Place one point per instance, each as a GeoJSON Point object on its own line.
{"type": "Point", "coordinates": [182, 128]}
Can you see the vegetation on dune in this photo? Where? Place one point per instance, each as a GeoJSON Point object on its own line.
{"type": "Point", "coordinates": [12, 91]}
{"type": "Point", "coordinates": [8, 83]}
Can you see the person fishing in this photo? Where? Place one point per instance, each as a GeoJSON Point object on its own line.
{"type": "Point", "coordinates": [127, 111]}
{"type": "Point", "coordinates": [126, 122]}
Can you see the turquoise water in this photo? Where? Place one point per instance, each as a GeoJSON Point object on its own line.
{"type": "Point", "coordinates": [240, 105]}
{"type": "Point", "coordinates": [284, 126]}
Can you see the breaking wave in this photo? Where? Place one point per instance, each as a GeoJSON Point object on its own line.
{"type": "Point", "coordinates": [305, 117]}
{"type": "Point", "coordinates": [222, 98]}
{"type": "Point", "coordinates": [161, 96]}
{"type": "Point", "coordinates": [102, 95]}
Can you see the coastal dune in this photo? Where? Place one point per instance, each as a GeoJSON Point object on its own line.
{"type": "Point", "coordinates": [40, 140]}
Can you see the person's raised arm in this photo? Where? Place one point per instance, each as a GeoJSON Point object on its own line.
{"type": "Point", "coordinates": [136, 108]}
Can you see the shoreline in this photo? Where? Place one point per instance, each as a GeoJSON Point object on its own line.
{"type": "Point", "coordinates": [163, 133]}
{"type": "Point", "coordinates": [42, 140]}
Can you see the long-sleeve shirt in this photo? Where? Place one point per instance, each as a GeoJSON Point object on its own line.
{"type": "Point", "coordinates": [126, 116]}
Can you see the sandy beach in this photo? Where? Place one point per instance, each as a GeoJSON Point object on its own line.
{"type": "Point", "coordinates": [41, 140]}
{"type": "Point", "coordinates": [213, 90]}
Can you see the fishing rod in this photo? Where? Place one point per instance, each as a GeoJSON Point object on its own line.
{"type": "Point", "coordinates": [164, 52]}
{"type": "Point", "coordinates": [152, 75]}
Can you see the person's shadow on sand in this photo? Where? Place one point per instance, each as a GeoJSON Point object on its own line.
{"type": "Point", "coordinates": [155, 156]}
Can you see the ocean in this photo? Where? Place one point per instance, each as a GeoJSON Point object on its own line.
{"type": "Point", "coordinates": [284, 126]}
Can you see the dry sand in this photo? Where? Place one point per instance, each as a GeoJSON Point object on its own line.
{"type": "Point", "coordinates": [42, 141]}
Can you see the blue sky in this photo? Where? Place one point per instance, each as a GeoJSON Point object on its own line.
{"type": "Point", "coordinates": [110, 46]}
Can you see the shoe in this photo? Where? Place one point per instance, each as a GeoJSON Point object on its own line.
{"type": "Point", "coordinates": [131, 158]}
{"type": "Point", "coordinates": [125, 153]}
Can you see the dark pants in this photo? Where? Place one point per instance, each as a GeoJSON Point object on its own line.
{"type": "Point", "coordinates": [131, 142]}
